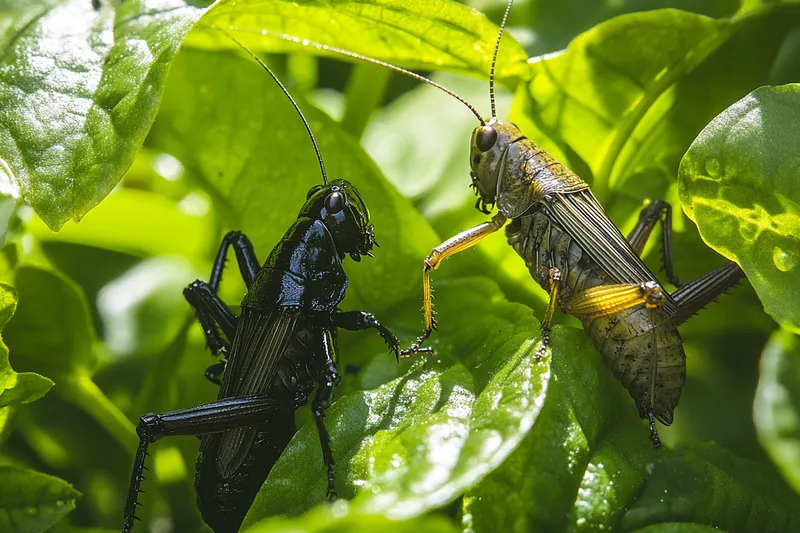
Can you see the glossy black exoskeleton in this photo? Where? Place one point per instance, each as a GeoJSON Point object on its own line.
{"type": "Point", "coordinates": [276, 352]}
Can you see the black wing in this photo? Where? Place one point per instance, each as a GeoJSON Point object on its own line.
{"type": "Point", "coordinates": [582, 216]}
{"type": "Point", "coordinates": [259, 344]}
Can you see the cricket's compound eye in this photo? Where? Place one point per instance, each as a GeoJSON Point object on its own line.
{"type": "Point", "coordinates": [334, 202]}
{"type": "Point", "coordinates": [485, 138]}
{"type": "Point", "coordinates": [313, 191]}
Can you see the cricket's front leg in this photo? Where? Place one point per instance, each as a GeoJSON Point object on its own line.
{"type": "Point", "coordinates": [328, 379]}
{"type": "Point", "coordinates": [361, 320]}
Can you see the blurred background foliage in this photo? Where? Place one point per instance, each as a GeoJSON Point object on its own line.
{"type": "Point", "coordinates": [97, 306]}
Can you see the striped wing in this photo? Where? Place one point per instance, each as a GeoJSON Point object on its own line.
{"type": "Point", "coordinates": [259, 344]}
{"type": "Point", "coordinates": [582, 216]}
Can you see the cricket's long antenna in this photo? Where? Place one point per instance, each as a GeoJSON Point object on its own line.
{"type": "Point", "coordinates": [494, 57]}
{"type": "Point", "coordinates": [289, 96]}
{"type": "Point", "coordinates": [354, 55]}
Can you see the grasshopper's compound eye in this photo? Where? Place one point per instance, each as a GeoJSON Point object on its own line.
{"type": "Point", "coordinates": [334, 202]}
{"type": "Point", "coordinates": [485, 138]}
{"type": "Point", "coordinates": [313, 191]}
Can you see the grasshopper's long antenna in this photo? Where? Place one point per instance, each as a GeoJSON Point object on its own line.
{"type": "Point", "coordinates": [354, 55]}
{"type": "Point", "coordinates": [289, 96]}
{"type": "Point", "coordinates": [494, 57]}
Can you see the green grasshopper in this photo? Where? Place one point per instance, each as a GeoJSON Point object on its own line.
{"type": "Point", "coordinates": [576, 253]}
{"type": "Point", "coordinates": [590, 270]}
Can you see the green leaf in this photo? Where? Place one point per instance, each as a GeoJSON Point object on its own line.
{"type": "Point", "coordinates": [738, 182]}
{"type": "Point", "coordinates": [623, 102]}
{"type": "Point", "coordinates": [587, 465]}
{"type": "Point", "coordinates": [31, 502]}
{"type": "Point", "coordinates": [416, 34]}
{"type": "Point", "coordinates": [777, 404]}
{"type": "Point", "coordinates": [560, 473]}
{"type": "Point", "coordinates": [627, 62]}
{"type": "Point", "coordinates": [80, 87]}
{"type": "Point", "coordinates": [709, 485]}
{"type": "Point", "coordinates": [419, 441]}
{"type": "Point", "coordinates": [554, 24]}
{"type": "Point", "coordinates": [15, 387]}
{"type": "Point", "coordinates": [257, 164]}
{"type": "Point", "coordinates": [338, 519]}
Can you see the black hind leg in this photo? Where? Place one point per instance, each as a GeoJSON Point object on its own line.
{"type": "Point", "coordinates": [214, 417]}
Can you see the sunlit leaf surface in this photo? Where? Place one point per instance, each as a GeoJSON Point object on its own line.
{"type": "Point", "coordinates": [739, 183]}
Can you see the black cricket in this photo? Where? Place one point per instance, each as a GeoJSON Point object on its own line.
{"type": "Point", "coordinates": [276, 352]}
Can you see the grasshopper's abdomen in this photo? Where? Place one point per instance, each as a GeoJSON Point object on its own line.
{"type": "Point", "coordinates": [544, 244]}
{"type": "Point", "coordinates": [643, 349]}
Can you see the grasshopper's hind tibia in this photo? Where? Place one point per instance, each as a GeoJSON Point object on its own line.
{"type": "Point", "coordinates": [453, 245]}
{"type": "Point", "coordinates": [697, 294]}
{"type": "Point", "coordinates": [212, 313]}
{"type": "Point", "coordinates": [214, 417]}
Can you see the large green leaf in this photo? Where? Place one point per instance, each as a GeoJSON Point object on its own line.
{"type": "Point", "coordinates": [420, 34]}
{"type": "Point", "coordinates": [739, 183]}
{"type": "Point", "coordinates": [31, 502]}
{"type": "Point", "coordinates": [554, 24]}
{"type": "Point", "coordinates": [243, 141]}
{"type": "Point", "coordinates": [79, 88]}
{"type": "Point", "coordinates": [419, 441]}
{"type": "Point", "coordinates": [627, 63]}
{"type": "Point", "coordinates": [626, 98]}
{"type": "Point", "coordinates": [587, 465]}
{"type": "Point", "coordinates": [777, 404]}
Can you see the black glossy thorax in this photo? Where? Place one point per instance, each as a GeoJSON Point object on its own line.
{"type": "Point", "coordinates": [304, 270]}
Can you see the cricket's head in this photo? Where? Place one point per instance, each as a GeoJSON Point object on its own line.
{"type": "Point", "coordinates": [488, 158]}
{"type": "Point", "coordinates": [340, 207]}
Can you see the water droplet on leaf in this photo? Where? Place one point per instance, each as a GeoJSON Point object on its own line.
{"type": "Point", "coordinates": [713, 167]}
{"type": "Point", "coordinates": [784, 261]}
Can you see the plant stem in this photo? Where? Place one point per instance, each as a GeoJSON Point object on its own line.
{"type": "Point", "coordinates": [83, 392]}
{"type": "Point", "coordinates": [363, 95]}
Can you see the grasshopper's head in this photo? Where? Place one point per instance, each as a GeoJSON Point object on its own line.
{"type": "Point", "coordinates": [340, 207]}
{"type": "Point", "coordinates": [490, 144]}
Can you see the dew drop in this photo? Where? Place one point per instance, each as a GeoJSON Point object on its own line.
{"type": "Point", "coordinates": [713, 167]}
{"type": "Point", "coordinates": [784, 261]}
{"type": "Point", "coordinates": [31, 511]}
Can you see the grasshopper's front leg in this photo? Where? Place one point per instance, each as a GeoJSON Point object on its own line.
{"type": "Point", "coordinates": [453, 245]}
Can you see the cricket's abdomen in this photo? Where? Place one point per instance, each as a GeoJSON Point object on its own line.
{"type": "Point", "coordinates": [643, 349]}
{"type": "Point", "coordinates": [224, 502]}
